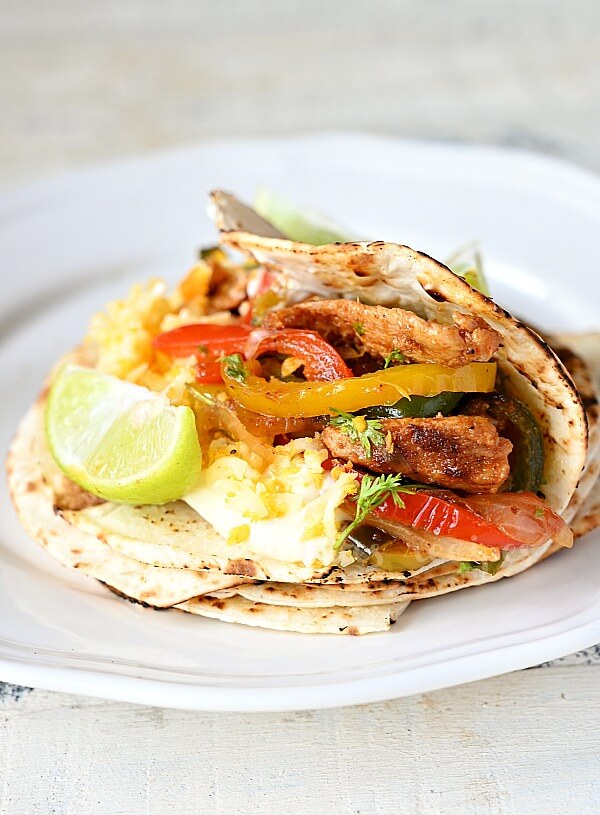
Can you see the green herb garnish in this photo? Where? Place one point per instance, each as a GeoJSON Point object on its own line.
{"type": "Point", "coordinates": [487, 566]}
{"type": "Point", "coordinates": [359, 328]}
{"type": "Point", "coordinates": [365, 431]}
{"type": "Point", "coordinates": [234, 367]}
{"type": "Point", "coordinates": [394, 356]}
{"type": "Point", "coordinates": [374, 490]}
{"type": "Point", "coordinates": [539, 512]}
{"type": "Point", "coordinates": [203, 349]}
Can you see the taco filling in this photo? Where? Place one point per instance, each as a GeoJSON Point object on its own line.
{"type": "Point", "coordinates": [362, 419]}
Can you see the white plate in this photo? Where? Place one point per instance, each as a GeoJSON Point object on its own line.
{"type": "Point", "coordinates": [68, 245]}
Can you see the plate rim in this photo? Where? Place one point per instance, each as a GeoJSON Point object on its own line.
{"type": "Point", "coordinates": [141, 690]}
{"type": "Point", "coordinates": [479, 665]}
{"type": "Point", "coordinates": [532, 159]}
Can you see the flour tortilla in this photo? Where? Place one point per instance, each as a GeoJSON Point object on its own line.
{"type": "Point", "coordinates": [33, 498]}
{"type": "Point", "coordinates": [581, 355]}
{"type": "Point", "coordinates": [588, 516]}
{"type": "Point", "coordinates": [300, 595]}
{"type": "Point", "coordinates": [292, 608]}
{"type": "Point", "coordinates": [583, 511]}
{"type": "Point", "coordinates": [355, 621]}
{"type": "Point", "coordinates": [393, 275]}
{"type": "Point", "coordinates": [175, 536]}
{"type": "Point", "coordinates": [361, 576]}
{"type": "Point", "coordinates": [430, 584]}
{"type": "Point", "coordinates": [185, 541]}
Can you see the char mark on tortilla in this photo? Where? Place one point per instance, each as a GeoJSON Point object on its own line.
{"type": "Point", "coordinates": [457, 452]}
{"type": "Point", "coordinates": [379, 331]}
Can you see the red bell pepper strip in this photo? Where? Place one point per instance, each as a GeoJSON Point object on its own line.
{"type": "Point", "coordinates": [321, 361]}
{"type": "Point", "coordinates": [210, 343]}
{"type": "Point", "coordinates": [435, 514]}
{"type": "Point", "coordinates": [504, 521]}
{"type": "Point", "coordinates": [188, 340]}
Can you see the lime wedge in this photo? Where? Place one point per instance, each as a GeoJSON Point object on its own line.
{"type": "Point", "coordinates": [297, 223]}
{"type": "Point", "coordinates": [120, 441]}
{"type": "Point", "coordinates": [467, 262]}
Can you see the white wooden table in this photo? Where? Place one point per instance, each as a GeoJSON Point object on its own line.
{"type": "Point", "coordinates": [82, 81]}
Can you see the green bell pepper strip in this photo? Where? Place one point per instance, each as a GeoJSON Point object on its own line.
{"type": "Point", "coordinates": [515, 422]}
{"type": "Point", "coordinates": [417, 407]}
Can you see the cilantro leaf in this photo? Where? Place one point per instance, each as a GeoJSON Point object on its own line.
{"type": "Point", "coordinates": [359, 328]}
{"type": "Point", "coordinates": [490, 567]}
{"type": "Point", "coordinates": [234, 367]}
{"type": "Point", "coordinates": [365, 431]}
{"type": "Point", "coordinates": [374, 490]}
{"type": "Point", "coordinates": [393, 356]}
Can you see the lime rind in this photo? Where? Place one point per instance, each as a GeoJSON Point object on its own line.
{"type": "Point", "coordinates": [467, 262]}
{"type": "Point", "coordinates": [298, 223]}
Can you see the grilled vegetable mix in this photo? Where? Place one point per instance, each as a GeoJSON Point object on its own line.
{"type": "Point", "coordinates": [314, 384]}
{"type": "Point", "coordinates": [504, 522]}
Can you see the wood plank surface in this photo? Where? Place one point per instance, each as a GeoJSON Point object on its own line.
{"type": "Point", "coordinates": [523, 743]}
{"type": "Point", "coordinates": [81, 80]}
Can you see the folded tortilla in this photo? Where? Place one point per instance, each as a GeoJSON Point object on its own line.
{"type": "Point", "coordinates": [581, 355]}
{"type": "Point", "coordinates": [353, 621]}
{"type": "Point", "coordinates": [392, 275]}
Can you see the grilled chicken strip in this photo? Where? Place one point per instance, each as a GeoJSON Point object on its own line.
{"type": "Point", "coordinates": [459, 452]}
{"type": "Point", "coordinates": [379, 331]}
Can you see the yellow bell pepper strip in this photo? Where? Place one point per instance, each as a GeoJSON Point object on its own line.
{"type": "Point", "coordinates": [285, 399]}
